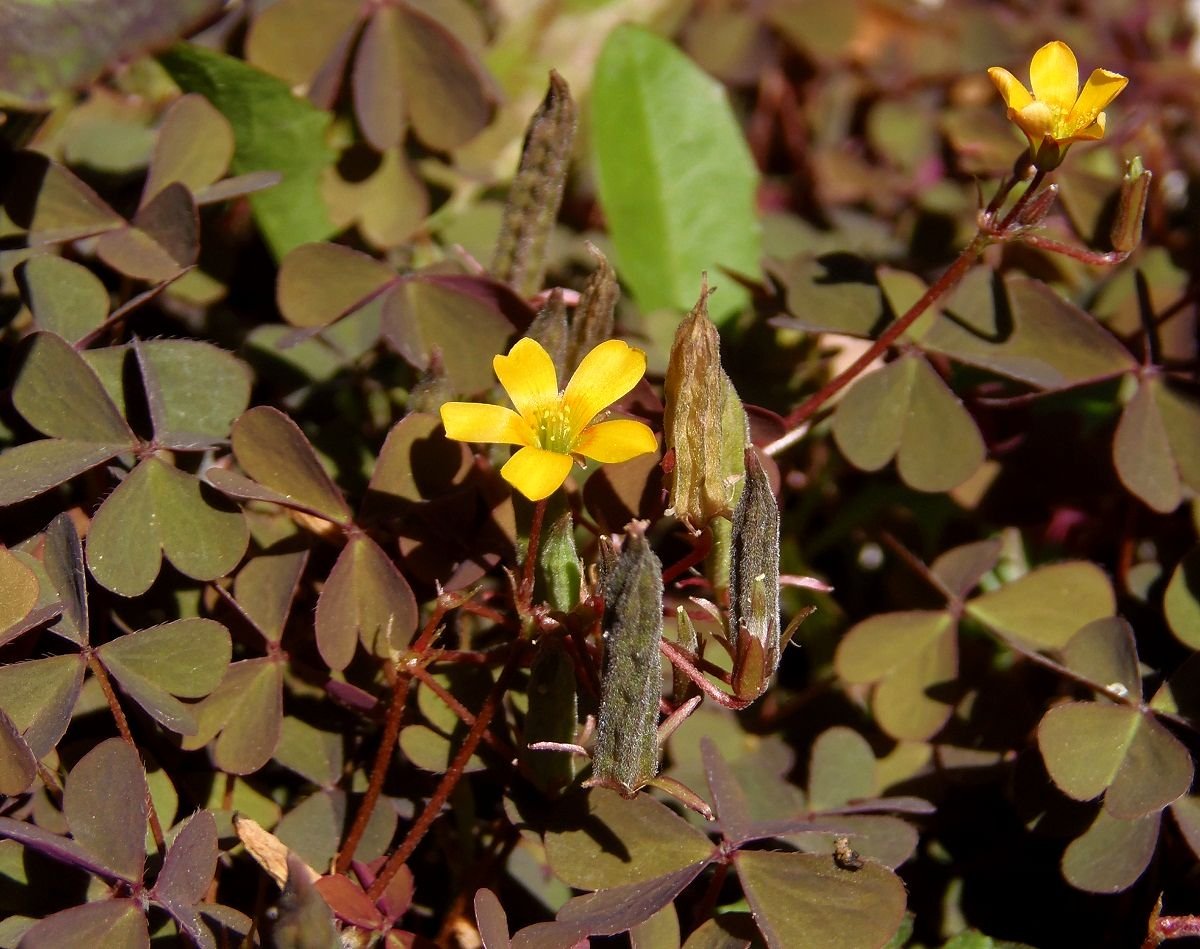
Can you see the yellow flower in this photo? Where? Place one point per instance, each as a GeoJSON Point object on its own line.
{"type": "Point", "coordinates": [1056, 113]}
{"type": "Point", "coordinates": [552, 426]}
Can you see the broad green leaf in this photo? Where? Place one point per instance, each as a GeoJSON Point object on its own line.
{"type": "Point", "coordinates": [1104, 652]}
{"type": "Point", "coordinates": [1090, 748]}
{"type": "Point", "coordinates": [274, 452]}
{"type": "Point", "coordinates": [676, 179]}
{"type": "Point", "coordinates": [18, 589]}
{"type": "Point", "coordinates": [30, 469]}
{"type": "Point", "coordinates": [194, 390]}
{"type": "Point", "coordinates": [265, 587]}
{"type": "Point", "coordinates": [39, 696]}
{"type": "Point", "coordinates": [160, 510]}
{"type": "Point", "coordinates": [61, 396]}
{"type": "Point", "coordinates": [465, 319]}
{"type": "Point", "coordinates": [1181, 601]}
{"type": "Point", "coordinates": [162, 240]}
{"type": "Point", "coordinates": [432, 751]}
{"type": "Point", "coordinates": [1035, 337]}
{"type": "Point", "coordinates": [105, 806]}
{"type": "Point", "coordinates": [321, 283]}
{"type": "Point", "coordinates": [1046, 607]}
{"type": "Point", "coordinates": [907, 655]}
{"type": "Point", "coordinates": [806, 899]}
{"type": "Point", "coordinates": [273, 131]}
{"type": "Point", "coordinates": [599, 839]}
{"type": "Point", "coordinates": [364, 599]}
{"type": "Point", "coordinates": [1112, 853]}
{"type": "Point", "coordinates": [244, 714]}
{"type": "Point", "coordinates": [841, 769]}
{"type": "Point", "coordinates": [53, 47]}
{"type": "Point", "coordinates": [64, 297]}
{"type": "Point", "coordinates": [906, 410]}
{"type": "Point", "coordinates": [194, 147]}
{"type": "Point", "coordinates": [187, 657]}
{"type": "Point", "coordinates": [115, 922]}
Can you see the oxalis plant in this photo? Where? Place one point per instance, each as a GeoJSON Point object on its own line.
{"type": "Point", "coordinates": [400, 550]}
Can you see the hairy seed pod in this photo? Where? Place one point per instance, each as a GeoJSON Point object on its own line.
{"type": "Point", "coordinates": [593, 321]}
{"type": "Point", "coordinates": [693, 413]}
{"type": "Point", "coordinates": [626, 751]}
{"type": "Point", "coordinates": [1126, 231]}
{"type": "Point", "coordinates": [754, 583]}
{"type": "Point", "coordinates": [549, 328]}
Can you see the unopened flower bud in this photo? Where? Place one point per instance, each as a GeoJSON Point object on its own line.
{"type": "Point", "coordinates": [754, 583]}
{"type": "Point", "coordinates": [1126, 231]}
{"type": "Point", "coordinates": [1036, 210]}
{"type": "Point", "coordinates": [549, 328]}
{"type": "Point", "coordinates": [626, 751]}
{"type": "Point", "coordinates": [593, 320]}
{"type": "Point", "coordinates": [694, 407]}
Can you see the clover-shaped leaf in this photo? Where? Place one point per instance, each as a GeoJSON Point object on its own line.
{"type": "Point", "coordinates": [1119, 751]}
{"type": "Point", "coordinates": [905, 411]}
{"type": "Point", "coordinates": [1112, 853]}
{"type": "Point", "coordinates": [1104, 652]}
{"type": "Point", "coordinates": [64, 297]}
{"type": "Point", "coordinates": [242, 716]}
{"type": "Point", "coordinates": [1181, 601]}
{"type": "Point", "coordinates": [1155, 447]}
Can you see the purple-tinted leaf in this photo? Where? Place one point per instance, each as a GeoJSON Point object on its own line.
{"type": "Point", "coordinates": [49, 53]}
{"type": "Point", "coordinates": [237, 186]}
{"type": "Point", "coordinates": [397, 897]}
{"type": "Point", "coordinates": [274, 452]}
{"type": "Point", "coordinates": [320, 283]}
{"type": "Point", "coordinates": [1112, 853]}
{"type": "Point", "coordinates": [729, 800]}
{"type": "Point", "coordinates": [884, 839]}
{"type": "Point", "coordinates": [162, 239]}
{"type": "Point", "coordinates": [186, 874]}
{"type": "Point", "coordinates": [63, 558]}
{"type": "Point", "coordinates": [616, 909]}
{"type": "Point", "coordinates": [550, 936]}
{"type": "Point", "coordinates": [194, 147]}
{"type": "Point", "coordinates": [1104, 652]}
{"type": "Point", "coordinates": [18, 766]}
{"type": "Point", "coordinates": [366, 600]}
{"type": "Point", "coordinates": [52, 204]}
{"type": "Point", "coordinates": [244, 714]}
{"type": "Point", "coordinates": [795, 896]}
{"type": "Point", "coordinates": [105, 803]}
{"type": "Point", "coordinates": [265, 588]}
{"type": "Point", "coordinates": [900, 804]}
{"type": "Point", "coordinates": [961, 568]}
{"type": "Point", "coordinates": [62, 849]}
{"type": "Point", "coordinates": [491, 920]}
{"type": "Point", "coordinates": [1142, 453]}
{"type": "Point", "coordinates": [116, 923]}
{"type": "Point", "coordinates": [30, 469]}
{"type": "Point", "coordinates": [379, 94]}
{"type": "Point", "coordinates": [39, 697]}
{"type": "Point", "coordinates": [349, 903]}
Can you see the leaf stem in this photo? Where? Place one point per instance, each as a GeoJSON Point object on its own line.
{"type": "Point", "coordinates": [525, 591]}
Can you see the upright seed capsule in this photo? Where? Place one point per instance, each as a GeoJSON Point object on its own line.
{"type": "Point", "coordinates": [626, 752]}
{"type": "Point", "coordinates": [1126, 231]}
{"type": "Point", "coordinates": [754, 583]}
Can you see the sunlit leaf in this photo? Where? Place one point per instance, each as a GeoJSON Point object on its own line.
{"type": "Point", "coordinates": [194, 147]}
{"type": "Point", "coordinates": [39, 696]}
{"type": "Point", "coordinates": [265, 587]}
{"type": "Point", "coordinates": [193, 389]}
{"type": "Point", "coordinates": [676, 179]}
{"type": "Point", "coordinates": [64, 297]}
{"type": "Point", "coordinates": [320, 283]}
{"type": "Point", "coordinates": [244, 715]}
{"type": "Point", "coordinates": [388, 205]}
{"type": "Point", "coordinates": [1104, 652]}
{"type": "Point", "coordinates": [18, 590]}
{"type": "Point", "coordinates": [115, 922]}
{"type": "Point", "coordinates": [161, 241]}
{"type": "Point", "coordinates": [1181, 601]}
{"type": "Point", "coordinates": [1046, 607]}
{"type": "Point", "coordinates": [53, 205]}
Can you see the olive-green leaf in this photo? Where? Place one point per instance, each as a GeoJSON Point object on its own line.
{"type": "Point", "coordinates": [18, 766]}
{"type": "Point", "coordinates": [105, 806]}
{"type": "Point", "coordinates": [1045, 608]}
{"type": "Point", "coordinates": [312, 752]}
{"type": "Point", "coordinates": [298, 40]}
{"type": "Point", "coordinates": [1090, 748]}
{"type": "Point", "coordinates": [959, 569]}
{"type": "Point", "coordinates": [676, 178]}
{"type": "Point", "coordinates": [321, 283]}
{"type": "Point", "coordinates": [39, 696]}
{"type": "Point", "coordinates": [115, 922]}
{"type": "Point", "coordinates": [841, 769]}
{"type": "Point", "coordinates": [599, 839]}
{"type": "Point", "coordinates": [186, 658]}
{"type": "Point", "coordinates": [160, 510]}
{"type": "Point", "coordinates": [1104, 652]}
{"type": "Point", "coordinates": [60, 395]}
{"type": "Point", "coordinates": [194, 147]}
{"type": "Point", "coordinates": [1142, 453]}
{"type": "Point", "coordinates": [365, 599]}
{"type": "Point", "coordinates": [64, 297]}
{"type": "Point", "coordinates": [52, 47]}
{"type": "Point", "coordinates": [274, 452]}
{"type": "Point", "coordinates": [161, 241]}
{"type": "Point", "coordinates": [244, 714]}
{"type": "Point", "coordinates": [906, 410]}
{"type": "Point", "coordinates": [836, 293]}
{"type": "Point", "coordinates": [53, 205]}
{"type": "Point", "coordinates": [273, 131]}
{"type": "Point", "coordinates": [265, 587]}
{"type": "Point", "coordinates": [1032, 334]}
{"type": "Point", "coordinates": [1111, 854]}
{"type": "Point", "coordinates": [1181, 601]}
{"type": "Point", "coordinates": [30, 469]}
{"type": "Point", "coordinates": [18, 589]}
{"type": "Point", "coordinates": [193, 389]}
{"type": "Point", "coordinates": [807, 900]}
{"type": "Point", "coordinates": [63, 559]}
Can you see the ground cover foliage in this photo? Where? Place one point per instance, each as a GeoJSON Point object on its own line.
{"type": "Point", "coordinates": [890, 642]}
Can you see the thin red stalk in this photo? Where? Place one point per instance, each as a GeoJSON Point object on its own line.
{"type": "Point", "coordinates": [525, 592]}
{"type": "Point", "coordinates": [118, 715]}
{"type": "Point", "coordinates": [680, 661]}
{"type": "Point", "coordinates": [1171, 927]}
{"type": "Point", "coordinates": [450, 779]}
{"type": "Point", "coordinates": [457, 708]}
{"type": "Point", "coordinates": [700, 548]}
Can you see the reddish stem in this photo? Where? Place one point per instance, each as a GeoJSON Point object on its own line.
{"type": "Point", "coordinates": [700, 548]}
{"type": "Point", "coordinates": [525, 591]}
{"type": "Point", "coordinates": [118, 715]}
{"type": "Point", "coordinates": [422, 675]}
{"type": "Point", "coordinates": [451, 778]}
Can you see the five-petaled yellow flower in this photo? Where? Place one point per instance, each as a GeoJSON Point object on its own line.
{"type": "Point", "coordinates": [554, 427]}
{"type": "Point", "coordinates": [1057, 113]}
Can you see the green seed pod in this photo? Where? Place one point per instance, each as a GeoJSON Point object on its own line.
{"type": "Point", "coordinates": [754, 583]}
{"type": "Point", "coordinates": [592, 323]}
{"type": "Point", "coordinates": [626, 751]}
{"type": "Point", "coordinates": [559, 573]}
{"type": "Point", "coordinates": [553, 715]}
{"type": "Point", "coordinates": [536, 192]}
{"type": "Point", "coordinates": [683, 688]}
{"type": "Point", "coordinates": [1126, 231]}
{"type": "Point", "coordinates": [693, 416]}
{"type": "Point", "coordinates": [549, 328]}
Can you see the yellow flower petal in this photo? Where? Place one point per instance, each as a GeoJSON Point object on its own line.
{"type": "Point", "coordinates": [536, 473]}
{"type": "Point", "coordinates": [1035, 120]}
{"type": "Point", "coordinates": [477, 422]}
{"type": "Point", "coordinates": [1054, 76]}
{"type": "Point", "coordinates": [1100, 89]}
{"type": "Point", "coordinates": [528, 376]}
{"type": "Point", "coordinates": [617, 440]}
{"type": "Point", "coordinates": [1092, 132]}
{"type": "Point", "coordinates": [606, 373]}
{"type": "Point", "coordinates": [1011, 89]}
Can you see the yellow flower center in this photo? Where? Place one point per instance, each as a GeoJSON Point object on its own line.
{"type": "Point", "coordinates": [553, 427]}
